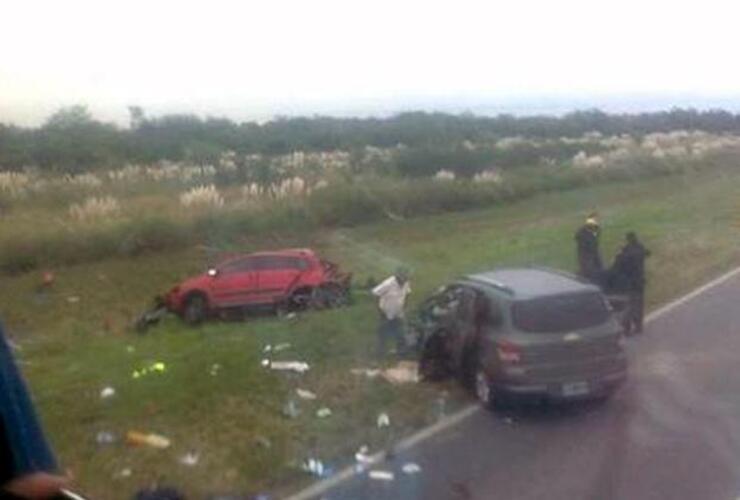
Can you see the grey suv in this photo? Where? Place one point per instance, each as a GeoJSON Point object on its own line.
{"type": "Point", "coordinates": [530, 331]}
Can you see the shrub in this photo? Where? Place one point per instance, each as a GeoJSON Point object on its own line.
{"type": "Point", "coordinates": [95, 208]}
{"type": "Point", "coordinates": [202, 196]}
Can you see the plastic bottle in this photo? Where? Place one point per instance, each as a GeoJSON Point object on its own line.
{"type": "Point", "coordinates": [153, 440]}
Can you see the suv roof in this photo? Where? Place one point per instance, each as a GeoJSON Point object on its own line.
{"type": "Point", "coordinates": [527, 283]}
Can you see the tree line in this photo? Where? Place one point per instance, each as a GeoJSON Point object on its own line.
{"type": "Point", "coordinates": [72, 140]}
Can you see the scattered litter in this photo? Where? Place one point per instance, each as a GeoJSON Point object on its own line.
{"type": "Point", "coordinates": [411, 468]}
{"type": "Point", "coordinates": [130, 349]}
{"type": "Point", "coordinates": [290, 315]}
{"type": "Point", "coordinates": [296, 366]}
{"type": "Point", "coordinates": [290, 410]}
{"type": "Point", "coordinates": [73, 299]}
{"type": "Point", "coordinates": [313, 466]}
{"type": "Point", "coordinates": [323, 412]}
{"type": "Point", "coordinates": [267, 348]}
{"type": "Point", "coordinates": [368, 372]}
{"type": "Point", "coordinates": [263, 442]}
{"type": "Point", "coordinates": [123, 473]}
{"type": "Point", "coordinates": [441, 405]}
{"type": "Point", "coordinates": [281, 347]}
{"type": "Point", "coordinates": [304, 394]}
{"type": "Point", "coordinates": [362, 456]}
{"type": "Point", "coordinates": [382, 475]}
{"type": "Point", "coordinates": [149, 318]}
{"type": "Point", "coordinates": [156, 367]}
{"type": "Point", "coordinates": [383, 420]}
{"type": "Point", "coordinates": [107, 392]}
{"type": "Point", "coordinates": [405, 372]}
{"type": "Point", "coordinates": [214, 369]}
{"type": "Point", "coordinates": [105, 437]}
{"type": "Point", "coordinates": [154, 440]}
{"type": "Point", "coordinates": [190, 459]}
{"type": "Point", "coordinates": [265, 363]}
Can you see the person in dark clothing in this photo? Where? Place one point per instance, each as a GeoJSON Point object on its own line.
{"type": "Point", "coordinates": [628, 275]}
{"type": "Point", "coordinates": [27, 463]}
{"type": "Point", "coordinates": [589, 257]}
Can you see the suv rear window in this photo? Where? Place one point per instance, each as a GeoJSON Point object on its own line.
{"type": "Point", "coordinates": [560, 313]}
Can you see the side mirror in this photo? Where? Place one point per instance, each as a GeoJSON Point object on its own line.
{"type": "Point", "coordinates": [212, 272]}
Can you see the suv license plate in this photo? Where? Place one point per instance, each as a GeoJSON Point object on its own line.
{"type": "Point", "coordinates": [575, 389]}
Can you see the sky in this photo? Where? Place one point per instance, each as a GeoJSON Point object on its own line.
{"type": "Point", "coordinates": [250, 60]}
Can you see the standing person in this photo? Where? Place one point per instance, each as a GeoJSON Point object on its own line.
{"type": "Point", "coordinates": [589, 257]}
{"type": "Point", "coordinates": [629, 273]}
{"type": "Point", "coordinates": [391, 295]}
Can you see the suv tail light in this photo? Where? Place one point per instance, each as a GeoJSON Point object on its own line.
{"type": "Point", "coordinates": [508, 352]}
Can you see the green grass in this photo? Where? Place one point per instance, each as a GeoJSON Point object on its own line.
{"type": "Point", "coordinates": [72, 350]}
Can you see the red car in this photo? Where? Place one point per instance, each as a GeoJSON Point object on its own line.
{"type": "Point", "coordinates": [284, 279]}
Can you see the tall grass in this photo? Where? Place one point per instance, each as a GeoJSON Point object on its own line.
{"type": "Point", "coordinates": [341, 204]}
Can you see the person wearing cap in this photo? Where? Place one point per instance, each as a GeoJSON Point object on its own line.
{"type": "Point", "coordinates": [391, 295]}
{"type": "Point", "coordinates": [589, 256]}
{"type": "Point", "coordinates": [629, 275]}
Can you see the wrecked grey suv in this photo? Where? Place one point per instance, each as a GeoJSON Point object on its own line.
{"type": "Point", "coordinates": [529, 332]}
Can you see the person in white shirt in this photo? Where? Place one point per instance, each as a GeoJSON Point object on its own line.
{"type": "Point", "coordinates": [391, 295]}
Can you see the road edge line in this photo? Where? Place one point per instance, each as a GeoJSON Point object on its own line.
{"type": "Point", "coordinates": [409, 442]}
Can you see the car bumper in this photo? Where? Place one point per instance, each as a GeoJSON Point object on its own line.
{"type": "Point", "coordinates": [571, 389]}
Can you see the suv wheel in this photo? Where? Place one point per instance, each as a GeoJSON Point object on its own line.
{"type": "Point", "coordinates": [195, 309]}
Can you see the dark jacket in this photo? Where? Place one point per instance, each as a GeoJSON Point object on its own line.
{"type": "Point", "coordinates": [628, 272]}
{"type": "Point", "coordinates": [589, 258]}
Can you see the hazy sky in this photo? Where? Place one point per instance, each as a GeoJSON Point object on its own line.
{"type": "Point", "coordinates": [251, 59]}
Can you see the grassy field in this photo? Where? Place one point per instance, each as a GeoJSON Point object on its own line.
{"type": "Point", "coordinates": [75, 341]}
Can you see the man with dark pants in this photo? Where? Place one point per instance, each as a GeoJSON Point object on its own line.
{"type": "Point", "coordinates": [391, 295]}
{"type": "Point", "coordinates": [589, 257]}
{"type": "Point", "coordinates": [629, 276]}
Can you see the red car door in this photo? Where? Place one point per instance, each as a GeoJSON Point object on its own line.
{"type": "Point", "coordinates": [235, 283]}
{"type": "Point", "coordinates": [276, 275]}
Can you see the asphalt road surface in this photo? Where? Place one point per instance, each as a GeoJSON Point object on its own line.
{"type": "Point", "coordinates": [672, 432]}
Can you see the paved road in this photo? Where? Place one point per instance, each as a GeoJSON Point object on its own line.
{"type": "Point", "coordinates": [673, 432]}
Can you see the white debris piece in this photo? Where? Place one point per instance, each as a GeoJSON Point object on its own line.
{"type": "Point", "coordinates": [382, 475]}
{"type": "Point", "coordinates": [281, 347]}
{"type": "Point", "coordinates": [296, 366]}
{"type": "Point", "coordinates": [265, 363]}
{"type": "Point", "coordinates": [383, 420]}
{"type": "Point", "coordinates": [304, 394]}
{"type": "Point", "coordinates": [368, 372]}
{"type": "Point", "coordinates": [411, 468]}
{"type": "Point", "coordinates": [107, 392]}
{"type": "Point", "coordinates": [323, 412]}
{"type": "Point", "coordinates": [363, 457]}
{"type": "Point", "coordinates": [314, 467]}
{"type": "Point", "coordinates": [190, 459]}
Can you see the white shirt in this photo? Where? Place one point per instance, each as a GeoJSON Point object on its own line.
{"type": "Point", "coordinates": [392, 297]}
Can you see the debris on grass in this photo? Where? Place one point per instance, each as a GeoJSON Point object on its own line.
{"type": "Point", "coordinates": [405, 372]}
{"type": "Point", "coordinates": [156, 367]}
{"type": "Point", "coordinates": [382, 475]}
{"type": "Point", "coordinates": [262, 442]}
{"type": "Point", "coordinates": [281, 347]}
{"type": "Point", "coordinates": [383, 420]}
{"type": "Point", "coordinates": [265, 363]}
{"type": "Point", "coordinates": [362, 456]}
{"type": "Point", "coordinates": [215, 367]}
{"type": "Point", "coordinates": [130, 349]}
{"type": "Point", "coordinates": [123, 473]}
{"type": "Point", "coordinates": [304, 394]}
{"type": "Point", "coordinates": [411, 468]}
{"type": "Point", "coordinates": [149, 318]}
{"type": "Point", "coordinates": [136, 438]}
{"type": "Point", "coordinates": [107, 392]}
{"type": "Point", "coordinates": [314, 466]}
{"type": "Point", "coordinates": [290, 315]}
{"type": "Point", "coordinates": [296, 366]}
{"type": "Point", "coordinates": [73, 299]}
{"type": "Point", "coordinates": [267, 348]}
{"type": "Point", "coordinates": [190, 459]}
{"type": "Point", "coordinates": [323, 412]}
{"type": "Point", "coordinates": [367, 372]}
{"type": "Point", "coordinates": [291, 410]}
{"type": "Point", "coordinates": [105, 437]}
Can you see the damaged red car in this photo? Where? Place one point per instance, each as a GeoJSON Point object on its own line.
{"type": "Point", "coordinates": [285, 280]}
